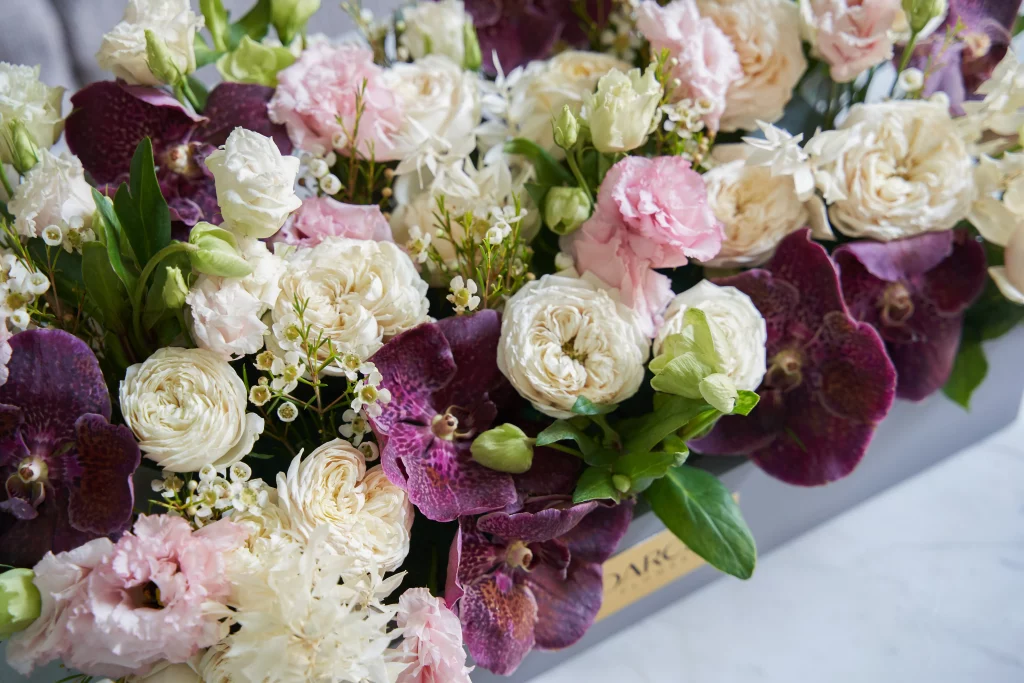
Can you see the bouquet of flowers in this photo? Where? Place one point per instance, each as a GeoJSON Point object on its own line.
{"type": "Point", "coordinates": [400, 329]}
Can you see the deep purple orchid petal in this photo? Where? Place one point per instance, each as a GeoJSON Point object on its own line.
{"type": "Point", "coordinates": [924, 367]}
{"type": "Point", "coordinates": [535, 527]}
{"type": "Point", "coordinates": [12, 447]}
{"type": "Point", "coordinates": [958, 281]}
{"type": "Point", "coordinates": [102, 496]}
{"type": "Point", "coordinates": [413, 366]}
{"type": "Point", "coordinates": [518, 32]}
{"type": "Point", "coordinates": [111, 118]}
{"type": "Point", "coordinates": [853, 375]}
{"type": "Point", "coordinates": [442, 479]}
{"type": "Point", "coordinates": [17, 506]}
{"type": "Point", "coordinates": [233, 105]}
{"type": "Point", "coordinates": [552, 473]}
{"type": "Point", "coordinates": [498, 616]}
{"type": "Point", "coordinates": [23, 543]}
{"type": "Point", "coordinates": [567, 602]}
{"type": "Point", "coordinates": [596, 537]}
{"type": "Point", "coordinates": [900, 259]}
{"type": "Point", "coordinates": [54, 378]}
{"type": "Point", "coordinates": [473, 340]}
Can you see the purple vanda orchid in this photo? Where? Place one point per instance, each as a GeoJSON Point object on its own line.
{"type": "Point", "coordinates": [67, 471]}
{"type": "Point", "coordinates": [915, 293]}
{"type": "Point", "coordinates": [532, 578]}
{"type": "Point", "coordinates": [829, 381]}
{"type": "Point", "coordinates": [443, 379]}
{"type": "Point", "coordinates": [111, 118]}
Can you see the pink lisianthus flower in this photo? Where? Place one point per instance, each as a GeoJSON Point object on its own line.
{"type": "Point", "coordinates": [651, 213]}
{"type": "Point", "coordinates": [115, 609]}
{"type": "Point", "coordinates": [707, 63]}
{"type": "Point", "coordinates": [316, 101]}
{"type": "Point", "coordinates": [850, 35]}
{"type": "Point", "coordinates": [431, 640]}
{"type": "Point", "coordinates": [321, 217]}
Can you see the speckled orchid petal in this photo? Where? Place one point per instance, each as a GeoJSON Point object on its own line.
{"type": "Point", "coordinates": [535, 527]}
{"type": "Point", "coordinates": [413, 366]}
{"type": "Point", "coordinates": [567, 602]}
{"type": "Point", "coordinates": [498, 617]}
{"type": "Point", "coordinates": [598, 535]}
{"type": "Point", "coordinates": [109, 120]}
{"type": "Point", "coordinates": [473, 341]}
{"type": "Point", "coordinates": [105, 458]}
{"type": "Point", "coordinates": [231, 105]}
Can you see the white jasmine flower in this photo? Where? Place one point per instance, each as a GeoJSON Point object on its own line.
{"type": "Point", "coordinates": [260, 394]}
{"type": "Point", "coordinates": [418, 244]}
{"type": "Point", "coordinates": [368, 518]}
{"type": "Point", "coordinates": [330, 184]}
{"type": "Point", "coordinates": [54, 192]}
{"type": "Point", "coordinates": [53, 236]}
{"type": "Point", "coordinates": [123, 50]}
{"type": "Point", "coordinates": [186, 407]}
{"type": "Point", "coordinates": [737, 328]}
{"type": "Point", "coordinates": [255, 183]}
{"type": "Point", "coordinates": [910, 80]}
{"type": "Point", "coordinates": [265, 360]}
{"type": "Point", "coordinates": [624, 110]}
{"type": "Point", "coordinates": [436, 28]}
{"type": "Point", "coordinates": [286, 371]}
{"type": "Point", "coordinates": [225, 317]}
{"type": "Point", "coordinates": [287, 412]}
{"type": "Point", "coordinates": [20, 318]}
{"type": "Point", "coordinates": [353, 366]}
{"type": "Point", "coordinates": [35, 283]}
{"type": "Point", "coordinates": [463, 295]}
{"type": "Point", "coordinates": [566, 337]}
{"type": "Point", "coordinates": [369, 395]}
{"type": "Point", "coordinates": [355, 427]}
{"type": "Point", "coordinates": [24, 98]}
{"type": "Point", "coordinates": [358, 294]}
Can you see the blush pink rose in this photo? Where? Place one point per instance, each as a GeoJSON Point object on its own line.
{"type": "Point", "coordinates": [431, 640]}
{"type": "Point", "coordinates": [707, 62]}
{"type": "Point", "coordinates": [116, 609]}
{"type": "Point", "coordinates": [850, 35]}
{"type": "Point", "coordinates": [321, 217]}
{"type": "Point", "coordinates": [321, 87]}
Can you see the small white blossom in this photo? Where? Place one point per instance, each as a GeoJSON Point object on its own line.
{"type": "Point", "coordinates": [286, 371]}
{"type": "Point", "coordinates": [264, 360]}
{"type": "Point", "coordinates": [370, 396]}
{"type": "Point", "coordinates": [463, 294]}
{"type": "Point", "coordinates": [287, 412]}
{"type": "Point", "coordinates": [288, 332]}
{"type": "Point", "coordinates": [330, 184]}
{"type": "Point", "coordinates": [370, 450]}
{"type": "Point", "coordinates": [911, 80]}
{"type": "Point", "coordinates": [20, 318]}
{"type": "Point", "coordinates": [319, 168]}
{"type": "Point", "coordinates": [564, 261]}
{"type": "Point", "coordinates": [353, 366]}
{"type": "Point", "coordinates": [53, 236]}
{"type": "Point", "coordinates": [418, 244]}
{"type": "Point", "coordinates": [260, 394]}
{"type": "Point", "coordinates": [355, 427]}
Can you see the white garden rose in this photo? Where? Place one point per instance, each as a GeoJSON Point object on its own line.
{"type": "Point", "coordinates": [564, 337]}
{"type": "Point", "coordinates": [545, 87]}
{"type": "Point", "coordinates": [894, 169]}
{"type": "Point", "coordinates": [357, 294]}
{"type": "Point", "coordinates": [225, 318]}
{"type": "Point", "coordinates": [436, 28]}
{"type": "Point", "coordinates": [255, 183]}
{"type": "Point", "coordinates": [766, 36]}
{"type": "Point", "coordinates": [186, 408]}
{"type": "Point", "coordinates": [24, 98]}
{"type": "Point", "coordinates": [369, 517]}
{"type": "Point", "coordinates": [738, 329]}
{"type": "Point", "coordinates": [54, 192]}
{"type": "Point", "coordinates": [624, 109]}
{"type": "Point", "coordinates": [440, 104]}
{"type": "Point", "coordinates": [123, 50]}
{"type": "Point", "coordinates": [757, 209]}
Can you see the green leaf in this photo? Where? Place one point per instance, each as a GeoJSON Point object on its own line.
{"type": "Point", "coordinates": [559, 430]}
{"type": "Point", "coordinates": [969, 370]}
{"type": "Point", "coordinates": [216, 22]}
{"type": "Point", "coordinates": [549, 171]}
{"type": "Point", "coordinates": [681, 376]}
{"type": "Point", "coordinates": [111, 229]}
{"type": "Point", "coordinates": [593, 453]}
{"type": "Point", "coordinates": [104, 287]}
{"type": "Point", "coordinates": [595, 484]}
{"type": "Point", "coordinates": [702, 513]}
{"type": "Point", "coordinates": [584, 406]}
{"type": "Point", "coordinates": [641, 435]}
{"type": "Point", "coordinates": [204, 54]}
{"type": "Point", "coordinates": [255, 24]}
{"type": "Point", "coordinates": [141, 209]}
{"type": "Point", "coordinates": [745, 402]}
{"type": "Point", "coordinates": [260, 456]}
{"type": "Point", "coordinates": [638, 466]}
{"type": "Point", "coordinates": [199, 90]}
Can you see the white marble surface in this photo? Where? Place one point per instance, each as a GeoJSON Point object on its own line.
{"type": "Point", "coordinates": [924, 582]}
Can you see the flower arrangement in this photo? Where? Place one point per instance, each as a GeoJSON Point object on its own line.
{"type": "Point", "coordinates": [404, 327]}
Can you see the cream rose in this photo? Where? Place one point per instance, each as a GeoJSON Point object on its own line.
{"type": "Point", "coordinates": [546, 87]}
{"type": "Point", "coordinates": [565, 337]}
{"type": "Point", "coordinates": [623, 110]}
{"type": "Point", "coordinates": [738, 329]}
{"type": "Point", "coordinates": [436, 28]}
{"type": "Point", "coordinates": [186, 407]}
{"type": "Point", "coordinates": [757, 209]}
{"type": "Point", "coordinates": [54, 192]}
{"type": "Point", "coordinates": [440, 104]}
{"type": "Point", "coordinates": [894, 169]}
{"type": "Point", "coordinates": [255, 183]}
{"type": "Point", "coordinates": [357, 293]}
{"type": "Point", "coordinates": [23, 97]}
{"type": "Point", "coordinates": [369, 517]}
{"type": "Point", "coordinates": [123, 50]}
{"type": "Point", "coordinates": [766, 36]}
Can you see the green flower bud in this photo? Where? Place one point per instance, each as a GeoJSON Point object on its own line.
{"type": "Point", "coordinates": [175, 289]}
{"type": "Point", "coordinates": [505, 449]}
{"type": "Point", "coordinates": [565, 209]}
{"type": "Point", "coordinates": [566, 128]}
{"type": "Point", "coordinates": [621, 483]}
{"type": "Point", "coordinates": [689, 364]}
{"type": "Point", "coordinates": [289, 17]}
{"type": "Point", "coordinates": [719, 391]}
{"type": "Point", "coordinates": [24, 151]}
{"type": "Point", "coordinates": [471, 46]}
{"type": "Point", "coordinates": [920, 12]}
{"type": "Point", "coordinates": [19, 601]}
{"type": "Point", "coordinates": [160, 60]}
{"type": "Point", "coordinates": [254, 62]}
{"type": "Point", "coordinates": [216, 252]}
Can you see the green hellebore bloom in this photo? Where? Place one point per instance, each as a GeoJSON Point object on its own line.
{"type": "Point", "coordinates": [505, 448]}
{"type": "Point", "coordinates": [255, 63]}
{"type": "Point", "coordinates": [20, 602]}
{"type": "Point", "coordinates": [216, 252]}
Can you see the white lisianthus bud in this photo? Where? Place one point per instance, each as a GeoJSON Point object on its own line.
{"type": "Point", "coordinates": [24, 98]}
{"type": "Point", "coordinates": [624, 110]}
{"type": "Point", "coordinates": [186, 407]}
{"type": "Point", "coordinates": [436, 28]}
{"type": "Point", "coordinates": [124, 49]}
{"type": "Point", "coordinates": [17, 139]}
{"type": "Point", "coordinates": [255, 183]}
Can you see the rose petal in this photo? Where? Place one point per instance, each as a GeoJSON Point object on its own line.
{"type": "Point", "coordinates": [102, 496]}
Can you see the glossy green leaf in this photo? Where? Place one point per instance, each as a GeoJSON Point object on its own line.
{"type": "Point", "coordinates": [111, 228]}
{"type": "Point", "coordinates": [255, 24]}
{"type": "Point", "coordinates": [671, 413]}
{"type": "Point", "coordinates": [141, 208]}
{"type": "Point", "coordinates": [104, 288]}
{"type": "Point", "coordinates": [652, 465]}
{"type": "Point", "coordinates": [584, 406]}
{"type": "Point", "coordinates": [969, 371]}
{"type": "Point", "coordinates": [549, 171]}
{"type": "Point", "coordinates": [699, 510]}
{"type": "Point", "coordinates": [595, 484]}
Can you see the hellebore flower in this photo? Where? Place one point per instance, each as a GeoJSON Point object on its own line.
{"type": "Point", "coordinates": [443, 378]}
{"type": "Point", "coordinates": [531, 578]}
{"type": "Point", "coordinates": [111, 118]}
{"type": "Point", "coordinates": [67, 471]}
{"type": "Point", "coordinates": [829, 380]}
{"type": "Point", "coordinates": [914, 292]}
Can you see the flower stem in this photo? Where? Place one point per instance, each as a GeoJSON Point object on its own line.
{"type": "Point", "coordinates": [140, 288]}
{"type": "Point", "coordinates": [7, 183]}
{"type": "Point", "coordinates": [908, 52]}
{"type": "Point", "coordinates": [574, 166]}
{"type": "Point", "coordinates": [564, 449]}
